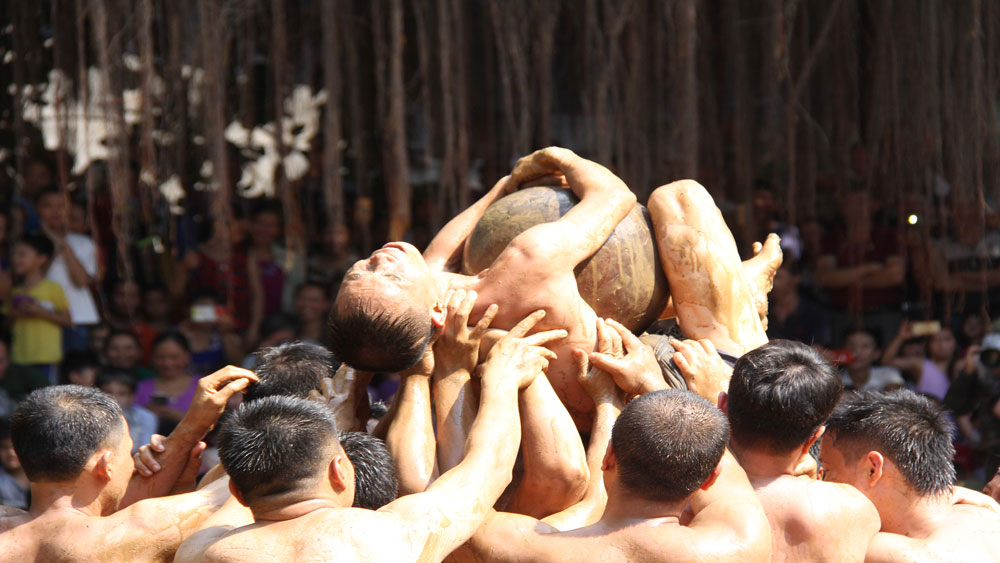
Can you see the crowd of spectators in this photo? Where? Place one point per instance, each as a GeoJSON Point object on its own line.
{"type": "Point", "coordinates": [893, 299]}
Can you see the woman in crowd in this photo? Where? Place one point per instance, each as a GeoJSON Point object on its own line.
{"type": "Point", "coordinates": [211, 332]}
{"type": "Point", "coordinates": [169, 394]}
{"type": "Point", "coordinates": [927, 362]}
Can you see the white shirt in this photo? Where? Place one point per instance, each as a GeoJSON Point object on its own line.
{"type": "Point", "coordinates": [82, 309]}
{"type": "Point", "coordinates": [880, 378]}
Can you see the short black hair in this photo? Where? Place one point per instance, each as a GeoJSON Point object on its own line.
{"type": "Point", "coordinates": [276, 323]}
{"type": "Point", "coordinates": [908, 429]}
{"type": "Point", "coordinates": [174, 336]}
{"type": "Point", "coordinates": [291, 370]}
{"type": "Point", "coordinates": [116, 332]}
{"type": "Point", "coordinates": [77, 360]}
{"type": "Point", "coordinates": [39, 243]}
{"type": "Point", "coordinates": [56, 429]}
{"type": "Point", "coordinates": [116, 375]}
{"type": "Point", "coordinates": [372, 338]}
{"type": "Point", "coordinates": [274, 445]}
{"type": "Point", "coordinates": [780, 394]}
{"type": "Point", "coordinates": [875, 334]}
{"type": "Point", "coordinates": [375, 482]}
{"type": "Point", "coordinates": [667, 443]}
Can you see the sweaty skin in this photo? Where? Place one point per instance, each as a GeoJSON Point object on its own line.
{"type": "Point", "coordinates": [712, 292]}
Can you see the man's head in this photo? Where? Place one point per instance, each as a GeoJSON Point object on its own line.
{"type": "Point", "coordinates": [375, 483]}
{"type": "Point", "coordinates": [291, 370]}
{"type": "Point", "coordinates": [122, 349]}
{"type": "Point", "coordinates": [32, 254]}
{"type": "Point", "coordinates": [667, 444]}
{"type": "Point", "coordinates": [311, 302]}
{"type": "Point", "coordinates": [779, 396]}
{"type": "Point", "coordinates": [876, 439]}
{"type": "Point", "coordinates": [864, 346]}
{"type": "Point", "coordinates": [65, 431]}
{"type": "Point", "coordinates": [386, 309]}
{"type": "Point", "coordinates": [79, 367]}
{"type": "Point", "coordinates": [51, 208]}
{"type": "Point", "coordinates": [118, 383]}
{"type": "Point", "coordinates": [279, 448]}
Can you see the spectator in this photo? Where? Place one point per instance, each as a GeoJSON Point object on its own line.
{"type": "Point", "coordinates": [38, 308]}
{"type": "Point", "coordinates": [14, 490]}
{"type": "Point", "coordinates": [274, 331]}
{"type": "Point", "coordinates": [122, 351]}
{"type": "Point", "coordinates": [312, 306]}
{"type": "Point", "coordinates": [16, 381]}
{"type": "Point", "coordinates": [211, 332]}
{"type": "Point", "coordinates": [121, 385]}
{"type": "Point", "coordinates": [79, 368]}
{"type": "Point", "coordinates": [74, 266]}
{"type": "Point", "coordinates": [976, 390]}
{"type": "Point", "coordinates": [156, 308]}
{"type": "Point", "coordinates": [123, 306]}
{"type": "Point", "coordinates": [333, 256]}
{"type": "Point", "coordinates": [966, 265]}
{"type": "Point", "coordinates": [862, 268]}
{"type": "Point", "coordinates": [860, 373]}
{"type": "Point", "coordinates": [169, 394]}
{"type": "Point", "coordinates": [792, 316]}
{"type": "Point", "coordinates": [277, 273]}
{"type": "Point", "coordinates": [928, 362]}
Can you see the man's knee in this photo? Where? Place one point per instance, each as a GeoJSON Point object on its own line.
{"type": "Point", "coordinates": [680, 198]}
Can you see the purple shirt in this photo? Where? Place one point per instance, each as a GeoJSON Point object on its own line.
{"type": "Point", "coordinates": [145, 390]}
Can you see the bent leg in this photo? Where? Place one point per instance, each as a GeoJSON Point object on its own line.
{"type": "Point", "coordinates": [710, 291]}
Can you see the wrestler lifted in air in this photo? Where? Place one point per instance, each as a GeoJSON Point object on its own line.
{"type": "Point", "coordinates": [389, 303]}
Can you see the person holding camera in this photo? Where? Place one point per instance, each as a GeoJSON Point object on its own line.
{"type": "Point", "coordinates": [976, 389]}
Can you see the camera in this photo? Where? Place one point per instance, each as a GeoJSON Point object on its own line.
{"type": "Point", "coordinates": [990, 357]}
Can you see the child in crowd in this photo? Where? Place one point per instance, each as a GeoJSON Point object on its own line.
{"type": "Point", "coordinates": [37, 306]}
{"type": "Point", "coordinates": [79, 368]}
{"type": "Point", "coordinates": [14, 489]}
{"type": "Point", "coordinates": [121, 385]}
{"type": "Point", "coordinates": [122, 351]}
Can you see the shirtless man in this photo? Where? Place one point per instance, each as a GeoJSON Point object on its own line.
{"type": "Point", "coordinates": [661, 506]}
{"type": "Point", "coordinates": [383, 316]}
{"type": "Point", "coordinates": [286, 465]}
{"type": "Point", "coordinates": [74, 445]}
{"type": "Point", "coordinates": [896, 449]}
{"type": "Point", "coordinates": [779, 397]}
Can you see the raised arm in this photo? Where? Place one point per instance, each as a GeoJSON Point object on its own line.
{"type": "Point", "coordinates": [444, 253]}
{"type": "Point", "coordinates": [604, 201]}
{"type": "Point", "coordinates": [410, 439]}
{"type": "Point", "coordinates": [891, 357]}
{"type": "Point", "coordinates": [207, 406]}
{"type": "Point", "coordinates": [446, 515]}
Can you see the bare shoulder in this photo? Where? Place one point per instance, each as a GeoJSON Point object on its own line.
{"type": "Point", "coordinates": [673, 542]}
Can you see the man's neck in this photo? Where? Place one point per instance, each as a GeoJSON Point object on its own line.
{"type": "Point", "coordinates": [763, 467]}
{"type": "Point", "coordinates": [288, 508]}
{"type": "Point", "coordinates": [912, 515]}
{"type": "Point", "coordinates": [65, 497]}
{"type": "Point", "coordinates": [625, 509]}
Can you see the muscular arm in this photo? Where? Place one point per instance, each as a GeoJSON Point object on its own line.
{"type": "Point", "coordinates": [444, 253]}
{"type": "Point", "coordinates": [555, 463]}
{"type": "Point", "coordinates": [410, 439]}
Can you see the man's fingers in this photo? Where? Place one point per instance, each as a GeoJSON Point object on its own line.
{"type": "Point", "coordinates": [148, 460]}
{"type": "Point", "coordinates": [158, 442]}
{"type": "Point", "coordinates": [582, 364]}
{"type": "Point", "coordinates": [227, 375]}
{"type": "Point", "coordinates": [232, 388]}
{"type": "Point", "coordinates": [527, 323]}
{"type": "Point", "coordinates": [454, 301]}
{"type": "Point", "coordinates": [630, 341]}
{"type": "Point", "coordinates": [484, 323]}
{"type": "Point", "coordinates": [327, 386]}
{"type": "Point", "coordinates": [606, 362]}
{"type": "Point", "coordinates": [708, 347]}
{"type": "Point", "coordinates": [616, 340]}
{"type": "Point", "coordinates": [315, 395]}
{"type": "Point", "coordinates": [465, 308]}
{"type": "Point", "coordinates": [541, 338]}
{"type": "Point", "coordinates": [603, 337]}
{"type": "Point", "coordinates": [545, 353]}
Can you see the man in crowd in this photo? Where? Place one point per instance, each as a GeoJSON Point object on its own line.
{"type": "Point", "coordinates": [779, 397]}
{"type": "Point", "coordinates": [896, 449]}
{"type": "Point", "coordinates": [268, 448]}
{"type": "Point", "coordinates": [74, 446]}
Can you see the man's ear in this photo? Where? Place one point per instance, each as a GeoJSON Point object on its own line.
{"type": "Point", "coordinates": [439, 312]}
{"type": "Point", "coordinates": [338, 473]}
{"type": "Point", "coordinates": [875, 467]}
{"type": "Point", "coordinates": [712, 477]}
{"type": "Point", "coordinates": [236, 493]}
{"type": "Point", "coordinates": [609, 459]}
{"type": "Point", "coordinates": [102, 466]}
{"type": "Point", "coordinates": [812, 439]}
{"type": "Point", "coordinates": [724, 402]}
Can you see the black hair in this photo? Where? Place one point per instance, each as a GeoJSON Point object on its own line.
{"type": "Point", "coordinates": [667, 443]}
{"type": "Point", "coordinates": [56, 429]}
{"type": "Point", "coordinates": [172, 336]}
{"type": "Point", "coordinates": [116, 375]}
{"type": "Point", "coordinates": [116, 332]}
{"type": "Point", "coordinates": [780, 394]}
{"type": "Point", "coordinates": [908, 429]}
{"type": "Point", "coordinates": [48, 190]}
{"type": "Point", "coordinates": [291, 370]}
{"type": "Point", "coordinates": [39, 243]}
{"type": "Point", "coordinates": [875, 334]}
{"type": "Point", "coordinates": [77, 360]}
{"type": "Point", "coordinates": [375, 482]}
{"type": "Point", "coordinates": [275, 445]}
{"type": "Point", "coordinates": [276, 323]}
{"type": "Point", "coordinates": [368, 337]}
{"type": "Point", "coordinates": [4, 428]}
{"type": "Point", "coordinates": [324, 287]}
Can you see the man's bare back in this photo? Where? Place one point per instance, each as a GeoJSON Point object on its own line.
{"type": "Point", "coordinates": [960, 533]}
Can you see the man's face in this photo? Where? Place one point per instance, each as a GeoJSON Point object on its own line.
{"type": "Point", "coordinates": [126, 298]}
{"type": "Point", "coordinates": [396, 271]}
{"type": "Point", "coordinates": [123, 352]}
{"type": "Point", "coordinates": [8, 458]}
{"type": "Point", "coordinates": [863, 348]}
{"type": "Point", "coordinates": [121, 464]}
{"type": "Point", "coordinates": [311, 303]}
{"type": "Point", "coordinates": [52, 211]}
{"type": "Point", "coordinates": [838, 469]}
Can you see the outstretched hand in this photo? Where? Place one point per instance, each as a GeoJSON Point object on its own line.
{"type": "Point", "coordinates": [212, 394]}
{"type": "Point", "coordinates": [702, 367]}
{"type": "Point", "coordinates": [518, 355]}
{"type": "Point", "coordinates": [336, 394]}
{"type": "Point", "coordinates": [457, 349]}
{"type": "Point", "coordinates": [630, 362]}
{"type": "Point", "coordinates": [540, 168]}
